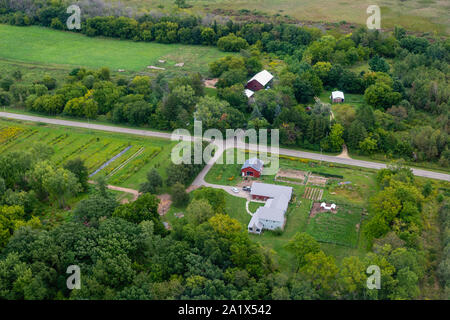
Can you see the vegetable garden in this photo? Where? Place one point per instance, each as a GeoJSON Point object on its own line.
{"type": "Point", "coordinates": [132, 156]}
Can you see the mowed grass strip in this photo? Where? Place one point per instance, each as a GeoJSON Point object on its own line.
{"type": "Point", "coordinates": [43, 45]}
{"type": "Point", "coordinates": [95, 148]}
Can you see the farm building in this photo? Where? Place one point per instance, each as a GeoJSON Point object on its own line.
{"type": "Point", "coordinates": [337, 97]}
{"type": "Point", "coordinates": [252, 167]}
{"type": "Point", "coordinates": [258, 82]}
{"type": "Point", "coordinates": [272, 215]}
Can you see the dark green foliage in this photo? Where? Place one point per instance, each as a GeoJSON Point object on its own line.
{"type": "Point", "coordinates": [378, 64]}
{"type": "Point", "coordinates": [215, 197]}
{"type": "Point", "coordinates": [91, 210]}
{"type": "Point", "coordinates": [145, 208]}
{"type": "Point", "coordinates": [77, 167]}
{"type": "Point", "coordinates": [179, 195]}
{"type": "Point", "coordinates": [154, 181]}
{"type": "Point", "coordinates": [231, 43]}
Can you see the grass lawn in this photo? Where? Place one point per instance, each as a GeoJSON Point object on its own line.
{"type": "Point", "coordinates": [338, 228]}
{"type": "Point", "coordinates": [211, 92]}
{"type": "Point", "coordinates": [67, 50]}
{"type": "Point", "coordinates": [355, 100]}
{"type": "Point", "coordinates": [94, 147]}
{"type": "Point", "coordinates": [253, 206]}
{"type": "Point", "coordinates": [32, 72]}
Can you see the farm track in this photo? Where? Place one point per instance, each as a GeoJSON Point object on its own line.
{"type": "Point", "coordinates": [135, 193]}
{"type": "Point", "coordinates": [251, 147]}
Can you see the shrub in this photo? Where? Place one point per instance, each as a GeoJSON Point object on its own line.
{"type": "Point", "coordinates": [232, 43]}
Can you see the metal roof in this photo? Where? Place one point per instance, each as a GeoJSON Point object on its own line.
{"type": "Point", "coordinates": [254, 221]}
{"type": "Point", "coordinates": [276, 205]}
{"type": "Point", "coordinates": [262, 77]}
{"type": "Point", "coordinates": [254, 163]}
{"type": "Point", "coordinates": [270, 190]}
{"type": "Point", "coordinates": [248, 93]}
{"type": "Point", "coordinates": [272, 214]}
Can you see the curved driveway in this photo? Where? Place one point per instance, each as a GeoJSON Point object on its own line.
{"type": "Point", "coordinates": [200, 179]}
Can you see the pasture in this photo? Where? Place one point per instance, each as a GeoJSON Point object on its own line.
{"type": "Point", "coordinates": [37, 45]}
{"type": "Point", "coordinates": [95, 148]}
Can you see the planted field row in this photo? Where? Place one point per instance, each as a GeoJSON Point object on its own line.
{"type": "Point", "coordinates": [313, 193]}
{"type": "Point", "coordinates": [137, 164]}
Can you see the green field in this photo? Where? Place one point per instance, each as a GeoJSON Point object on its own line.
{"type": "Point", "coordinates": [418, 15]}
{"type": "Point", "coordinates": [340, 228]}
{"type": "Point", "coordinates": [65, 50]}
{"type": "Point", "coordinates": [355, 100]}
{"type": "Point", "coordinates": [95, 148]}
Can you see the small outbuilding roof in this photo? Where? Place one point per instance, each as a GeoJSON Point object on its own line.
{"type": "Point", "coordinates": [337, 95]}
{"type": "Point", "coordinates": [262, 77]}
{"type": "Point", "coordinates": [248, 93]}
{"type": "Point", "coordinates": [254, 163]}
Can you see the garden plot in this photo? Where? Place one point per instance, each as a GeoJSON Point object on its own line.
{"type": "Point", "coordinates": [317, 180]}
{"type": "Point", "coordinates": [313, 193]}
{"type": "Point", "coordinates": [340, 226]}
{"type": "Point", "coordinates": [291, 175]}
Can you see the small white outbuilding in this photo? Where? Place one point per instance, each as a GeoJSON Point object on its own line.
{"type": "Point", "coordinates": [337, 97]}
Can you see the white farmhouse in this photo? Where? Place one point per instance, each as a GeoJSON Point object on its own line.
{"type": "Point", "coordinates": [272, 215]}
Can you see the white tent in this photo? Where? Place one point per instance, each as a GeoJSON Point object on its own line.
{"type": "Point", "coordinates": [337, 95]}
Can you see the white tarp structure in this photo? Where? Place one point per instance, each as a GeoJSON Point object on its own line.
{"type": "Point", "coordinates": [337, 95]}
{"type": "Point", "coordinates": [328, 207]}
